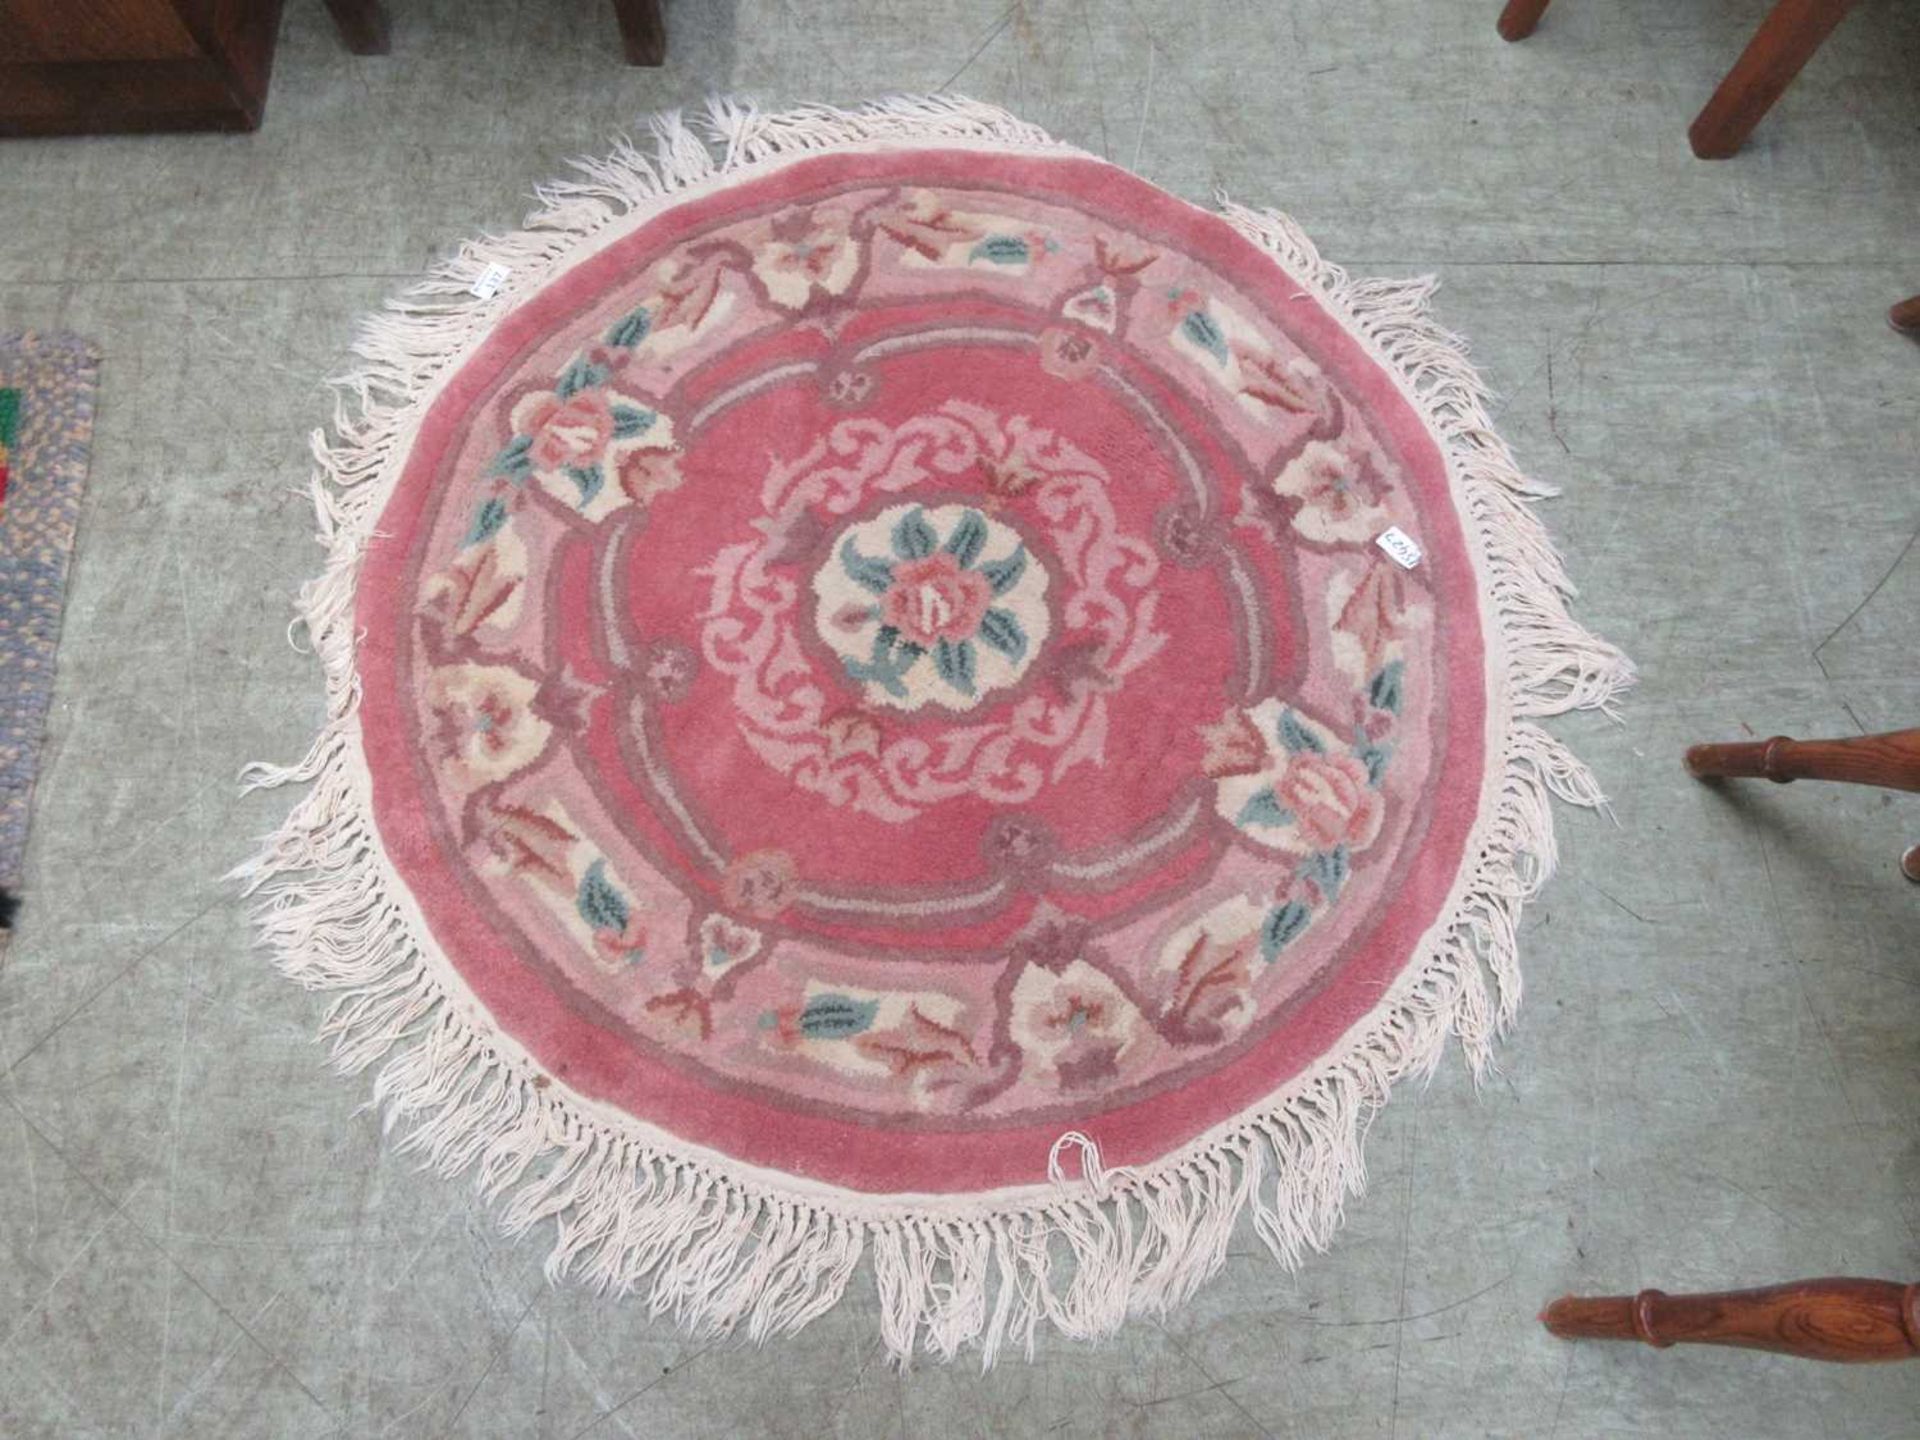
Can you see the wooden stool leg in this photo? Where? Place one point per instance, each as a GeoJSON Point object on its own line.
{"type": "Point", "coordinates": [643, 31]}
{"type": "Point", "coordinates": [362, 25]}
{"type": "Point", "coordinates": [1792, 31]}
{"type": "Point", "coordinates": [1906, 315]}
{"type": "Point", "coordinates": [1838, 1319]}
{"type": "Point", "coordinates": [1891, 760]}
{"type": "Point", "coordinates": [1519, 18]}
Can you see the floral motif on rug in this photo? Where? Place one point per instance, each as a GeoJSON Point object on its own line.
{"type": "Point", "coordinates": [46, 434]}
{"type": "Point", "coordinates": [882, 663]}
{"type": "Point", "coordinates": [9, 437]}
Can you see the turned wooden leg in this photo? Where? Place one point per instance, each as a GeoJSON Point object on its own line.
{"type": "Point", "coordinates": [1906, 315]}
{"type": "Point", "coordinates": [1891, 760]}
{"type": "Point", "coordinates": [1837, 1319]}
{"type": "Point", "coordinates": [643, 31]}
{"type": "Point", "coordinates": [1519, 18]}
{"type": "Point", "coordinates": [1789, 35]}
{"type": "Point", "coordinates": [362, 25]}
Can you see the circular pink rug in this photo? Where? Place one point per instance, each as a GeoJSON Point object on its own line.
{"type": "Point", "coordinates": [901, 690]}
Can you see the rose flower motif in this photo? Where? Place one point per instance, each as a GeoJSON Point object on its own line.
{"type": "Point", "coordinates": [951, 611]}
{"type": "Point", "coordinates": [566, 434]}
{"type": "Point", "coordinates": [936, 598]}
{"type": "Point", "coordinates": [1330, 800]}
{"type": "Point", "coordinates": [589, 444]}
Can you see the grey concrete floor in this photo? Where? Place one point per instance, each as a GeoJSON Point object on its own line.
{"type": "Point", "coordinates": [1717, 1076]}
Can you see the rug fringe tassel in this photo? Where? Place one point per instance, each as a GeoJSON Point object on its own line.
{"type": "Point", "coordinates": [724, 1250]}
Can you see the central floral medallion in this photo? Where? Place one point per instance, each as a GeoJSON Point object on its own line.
{"type": "Point", "coordinates": [939, 606]}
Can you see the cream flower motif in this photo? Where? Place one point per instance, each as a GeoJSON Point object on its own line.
{"type": "Point", "coordinates": [1339, 494]}
{"type": "Point", "coordinates": [725, 942]}
{"type": "Point", "coordinates": [480, 727]}
{"type": "Point", "coordinates": [1074, 1025]}
{"type": "Point", "coordinates": [482, 586]}
{"type": "Point", "coordinates": [807, 253]}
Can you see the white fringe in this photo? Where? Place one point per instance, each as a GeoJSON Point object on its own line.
{"type": "Point", "coordinates": [723, 1248]}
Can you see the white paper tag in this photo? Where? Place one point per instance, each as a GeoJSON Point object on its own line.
{"type": "Point", "coordinates": [490, 281]}
{"type": "Point", "coordinates": [1400, 545]}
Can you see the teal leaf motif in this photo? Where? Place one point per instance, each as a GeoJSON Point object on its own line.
{"type": "Point", "coordinates": [969, 537]}
{"type": "Point", "coordinates": [1002, 630]}
{"type": "Point", "coordinates": [1204, 331]}
{"type": "Point", "coordinates": [515, 461]}
{"type": "Point", "coordinates": [630, 421]}
{"type": "Point", "coordinates": [629, 332]}
{"type": "Point", "coordinates": [1003, 574]}
{"type": "Point", "coordinates": [1001, 250]}
{"type": "Point", "coordinates": [1328, 869]}
{"type": "Point", "coordinates": [589, 479]}
{"type": "Point", "coordinates": [1264, 810]}
{"type": "Point", "coordinates": [836, 1017]}
{"type": "Point", "coordinates": [582, 374]}
{"type": "Point", "coordinates": [864, 570]}
{"type": "Point", "coordinates": [955, 660]}
{"type": "Point", "coordinates": [891, 660]}
{"type": "Point", "coordinates": [1375, 758]}
{"type": "Point", "coordinates": [1283, 925]}
{"type": "Point", "coordinates": [913, 537]}
{"type": "Point", "coordinates": [488, 520]}
{"type": "Point", "coordinates": [1383, 693]}
{"type": "Point", "coordinates": [1296, 736]}
{"type": "Point", "coordinates": [601, 905]}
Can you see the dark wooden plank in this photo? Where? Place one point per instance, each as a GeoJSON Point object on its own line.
{"type": "Point", "coordinates": [48, 32]}
{"type": "Point", "coordinates": [220, 84]}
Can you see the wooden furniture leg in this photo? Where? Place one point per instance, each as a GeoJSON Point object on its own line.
{"type": "Point", "coordinates": [1792, 31]}
{"type": "Point", "coordinates": [1906, 315]}
{"type": "Point", "coordinates": [362, 25]}
{"type": "Point", "coordinates": [1891, 761]}
{"type": "Point", "coordinates": [1519, 18]}
{"type": "Point", "coordinates": [1835, 1319]}
{"type": "Point", "coordinates": [643, 31]}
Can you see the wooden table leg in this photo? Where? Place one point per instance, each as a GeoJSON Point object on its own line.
{"type": "Point", "coordinates": [1836, 1319]}
{"type": "Point", "coordinates": [1792, 31]}
{"type": "Point", "coordinates": [362, 25]}
{"type": "Point", "coordinates": [1906, 315]}
{"type": "Point", "coordinates": [1891, 760]}
{"type": "Point", "coordinates": [1519, 18]}
{"type": "Point", "coordinates": [643, 31]}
